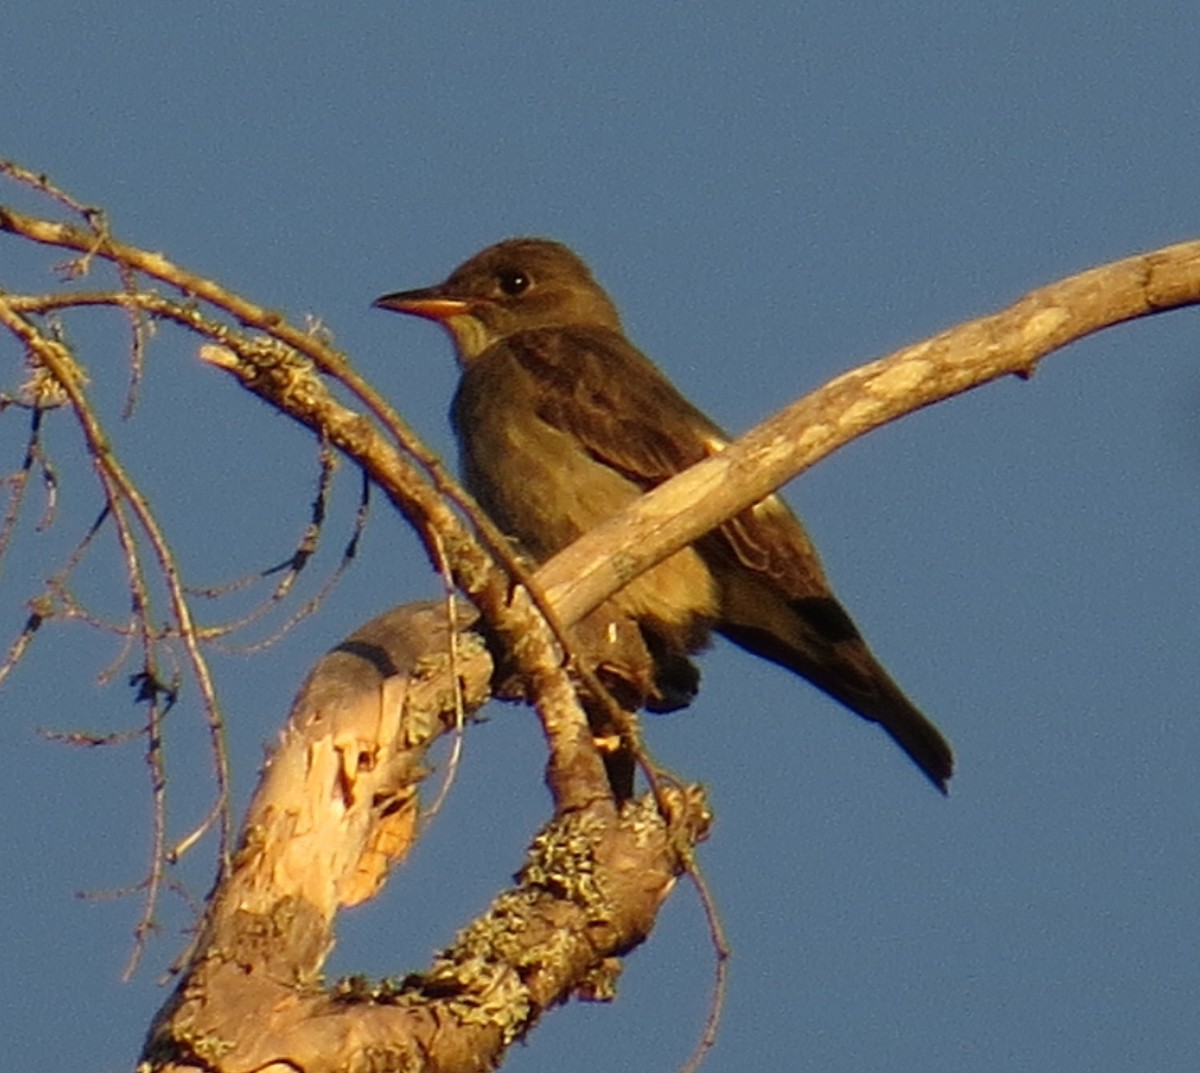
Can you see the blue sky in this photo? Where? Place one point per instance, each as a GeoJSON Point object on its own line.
{"type": "Point", "coordinates": [771, 194]}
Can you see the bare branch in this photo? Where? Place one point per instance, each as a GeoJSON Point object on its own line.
{"type": "Point", "coordinates": [336, 808]}
{"type": "Point", "coordinates": [334, 812]}
{"type": "Point", "coordinates": [1010, 342]}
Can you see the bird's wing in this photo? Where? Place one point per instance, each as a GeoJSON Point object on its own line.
{"type": "Point", "coordinates": [769, 540]}
{"type": "Point", "coordinates": [598, 387]}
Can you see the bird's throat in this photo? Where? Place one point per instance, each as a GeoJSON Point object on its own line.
{"type": "Point", "coordinates": [471, 336]}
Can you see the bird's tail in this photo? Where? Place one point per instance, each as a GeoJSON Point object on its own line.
{"type": "Point", "coordinates": [816, 638]}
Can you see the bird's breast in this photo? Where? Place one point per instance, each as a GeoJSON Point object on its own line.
{"type": "Point", "coordinates": [542, 487]}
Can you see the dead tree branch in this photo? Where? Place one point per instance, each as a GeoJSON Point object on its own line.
{"type": "Point", "coordinates": [336, 806]}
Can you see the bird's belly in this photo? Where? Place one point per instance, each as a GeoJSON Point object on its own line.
{"type": "Point", "coordinates": [542, 488]}
{"type": "Point", "coordinates": [678, 597]}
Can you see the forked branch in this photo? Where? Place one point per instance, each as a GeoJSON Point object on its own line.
{"type": "Point", "coordinates": [336, 808]}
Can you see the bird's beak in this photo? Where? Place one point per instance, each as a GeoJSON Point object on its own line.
{"type": "Point", "coordinates": [427, 303]}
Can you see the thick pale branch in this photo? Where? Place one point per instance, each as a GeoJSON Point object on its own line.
{"type": "Point", "coordinates": [1010, 342]}
{"type": "Point", "coordinates": [589, 892]}
{"type": "Point", "coordinates": [334, 811]}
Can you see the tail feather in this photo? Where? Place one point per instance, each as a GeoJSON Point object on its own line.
{"type": "Point", "coordinates": [776, 601]}
{"type": "Point", "coordinates": [816, 639]}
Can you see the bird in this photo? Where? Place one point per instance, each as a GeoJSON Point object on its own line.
{"type": "Point", "coordinates": [562, 422]}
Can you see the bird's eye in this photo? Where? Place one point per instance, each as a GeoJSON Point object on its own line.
{"type": "Point", "coordinates": [514, 282]}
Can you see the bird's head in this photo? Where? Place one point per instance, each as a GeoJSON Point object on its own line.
{"type": "Point", "coordinates": [515, 286]}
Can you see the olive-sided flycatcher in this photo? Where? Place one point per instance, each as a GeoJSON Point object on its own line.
{"type": "Point", "coordinates": [562, 422]}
